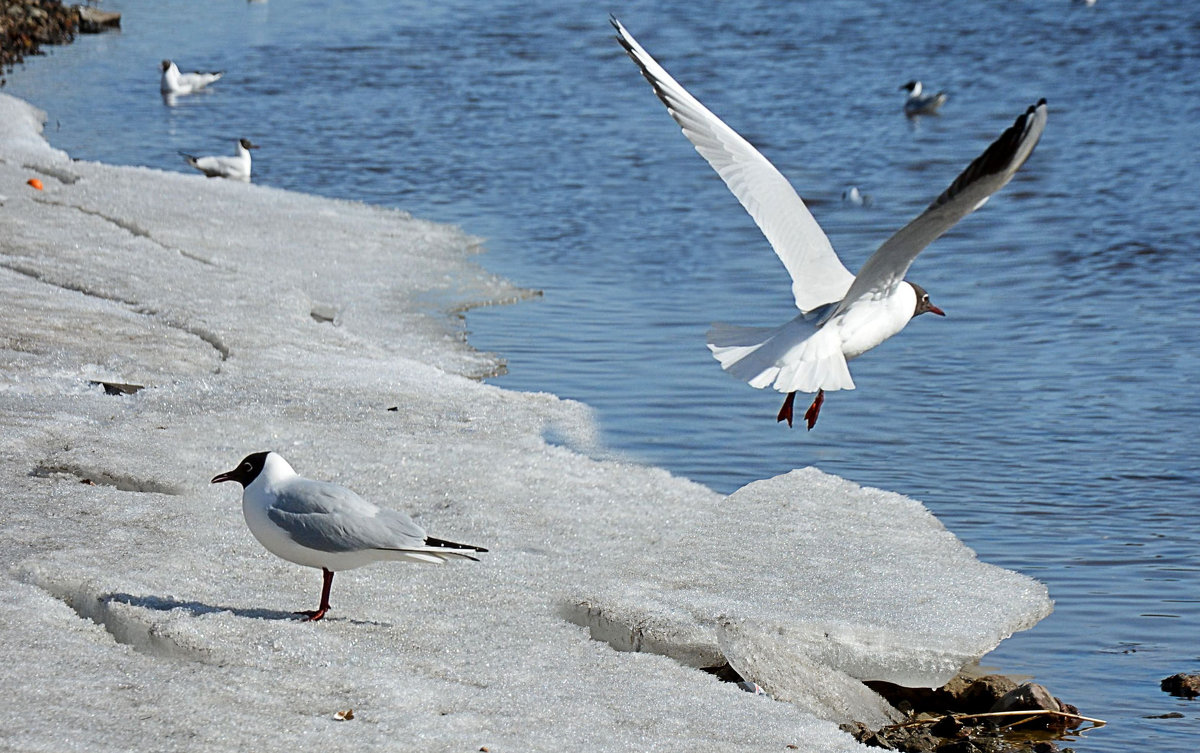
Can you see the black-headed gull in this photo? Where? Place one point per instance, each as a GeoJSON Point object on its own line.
{"type": "Point", "coordinates": [173, 82]}
{"type": "Point", "coordinates": [326, 526]}
{"type": "Point", "coordinates": [919, 103]}
{"type": "Point", "coordinates": [236, 167]}
{"type": "Point", "coordinates": [842, 315]}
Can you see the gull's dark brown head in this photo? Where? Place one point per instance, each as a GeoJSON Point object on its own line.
{"type": "Point", "coordinates": [246, 471]}
{"type": "Point", "coordinates": [924, 305]}
{"type": "Point", "coordinates": [166, 64]}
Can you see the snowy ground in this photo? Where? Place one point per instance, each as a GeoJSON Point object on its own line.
{"type": "Point", "coordinates": [137, 613]}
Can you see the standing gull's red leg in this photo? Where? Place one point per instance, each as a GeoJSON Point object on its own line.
{"type": "Point", "coordinates": [327, 583]}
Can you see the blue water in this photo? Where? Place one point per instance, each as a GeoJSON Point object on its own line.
{"type": "Point", "coordinates": [1050, 420]}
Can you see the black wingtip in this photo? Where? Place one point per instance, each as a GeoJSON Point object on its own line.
{"type": "Point", "coordinates": [996, 158]}
{"type": "Point", "coordinates": [442, 543]}
{"type": "Point", "coordinates": [655, 84]}
{"type": "Point", "coordinates": [617, 27]}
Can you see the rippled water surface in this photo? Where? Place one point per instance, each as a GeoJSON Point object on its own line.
{"type": "Point", "coordinates": [1050, 420]}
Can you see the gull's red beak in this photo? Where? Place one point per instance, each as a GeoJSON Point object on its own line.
{"type": "Point", "coordinates": [935, 310]}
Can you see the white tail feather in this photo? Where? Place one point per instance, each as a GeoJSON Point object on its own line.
{"type": "Point", "coordinates": [723, 335]}
{"type": "Point", "coordinates": [431, 555]}
{"type": "Point", "coordinates": [797, 356]}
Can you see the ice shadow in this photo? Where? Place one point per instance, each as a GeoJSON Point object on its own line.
{"type": "Point", "coordinates": [196, 608]}
{"type": "Point", "coordinates": [199, 609]}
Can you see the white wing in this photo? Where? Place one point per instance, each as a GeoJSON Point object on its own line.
{"type": "Point", "coordinates": [982, 178]}
{"type": "Point", "coordinates": [216, 165]}
{"type": "Point", "coordinates": [818, 276]}
{"type": "Point", "coordinates": [197, 80]}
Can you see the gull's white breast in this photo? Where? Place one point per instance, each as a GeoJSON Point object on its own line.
{"type": "Point", "coordinates": [870, 321]}
{"type": "Point", "coordinates": [257, 499]}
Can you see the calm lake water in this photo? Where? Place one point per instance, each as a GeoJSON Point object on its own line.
{"type": "Point", "coordinates": [1050, 420]}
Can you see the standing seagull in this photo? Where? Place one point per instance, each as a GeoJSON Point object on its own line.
{"type": "Point", "coordinates": [236, 167]}
{"type": "Point", "coordinates": [919, 103]}
{"type": "Point", "coordinates": [319, 524]}
{"type": "Point", "coordinates": [173, 82]}
{"type": "Point", "coordinates": [842, 315]}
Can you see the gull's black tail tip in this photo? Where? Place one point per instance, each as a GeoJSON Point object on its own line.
{"type": "Point", "coordinates": [430, 541]}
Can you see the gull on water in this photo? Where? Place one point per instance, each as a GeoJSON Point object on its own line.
{"type": "Point", "coordinates": [173, 82]}
{"type": "Point", "coordinates": [320, 524]}
{"type": "Point", "coordinates": [856, 197]}
{"type": "Point", "coordinates": [919, 103]}
{"type": "Point", "coordinates": [236, 167]}
{"type": "Point", "coordinates": [842, 315]}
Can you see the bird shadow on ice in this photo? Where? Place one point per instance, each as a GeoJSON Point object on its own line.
{"type": "Point", "coordinates": [199, 609]}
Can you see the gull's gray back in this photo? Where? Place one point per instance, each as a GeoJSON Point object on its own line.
{"type": "Point", "coordinates": [331, 518]}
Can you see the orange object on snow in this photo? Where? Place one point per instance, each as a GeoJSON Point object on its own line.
{"type": "Point", "coordinates": [35, 183]}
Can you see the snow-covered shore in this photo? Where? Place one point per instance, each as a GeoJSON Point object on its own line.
{"type": "Point", "coordinates": [139, 614]}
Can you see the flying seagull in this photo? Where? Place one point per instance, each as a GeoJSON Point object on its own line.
{"type": "Point", "coordinates": [842, 315]}
{"type": "Point", "coordinates": [323, 525]}
{"type": "Point", "coordinates": [236, 167]}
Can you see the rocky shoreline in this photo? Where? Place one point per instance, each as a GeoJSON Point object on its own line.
{"type": "Point", "coordinates": [27, 25]}
{"type": "Point", "coordinates": [988, 714]}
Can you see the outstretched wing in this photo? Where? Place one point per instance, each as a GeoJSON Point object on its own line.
{"type": "Point", "coordinates": [818, 276]}
{"type": "Point", "coordinates": [982, 178]}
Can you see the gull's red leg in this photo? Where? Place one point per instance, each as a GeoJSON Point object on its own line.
{"type": "Point", "coordinates": [814, 410]}
{"type": "Point", "coordinates": [785, 413]}
{"type": "Point", "coordinates": [327, 583]}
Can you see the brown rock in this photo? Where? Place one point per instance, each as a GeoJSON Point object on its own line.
{"type": "Point", "coordinates": [1184, 686]}
{"type": "Point", "coordinates": [983, 693]}
{"type": "Point", "coordinates": [1033, 698]}
{"type": "Point", "coordinates": [959, 746]}
{"type": "Point", "coordinates": [93, 20]}
{"type": "Point", "coordinates": [865, 735]}
{"type": "Point", "coordinates": [1027, 697]}
{"type": "Point", "coordinates": [947, 727]}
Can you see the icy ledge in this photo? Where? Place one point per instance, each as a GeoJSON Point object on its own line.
{"type": "Point", "coordinates": [136, 612]}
